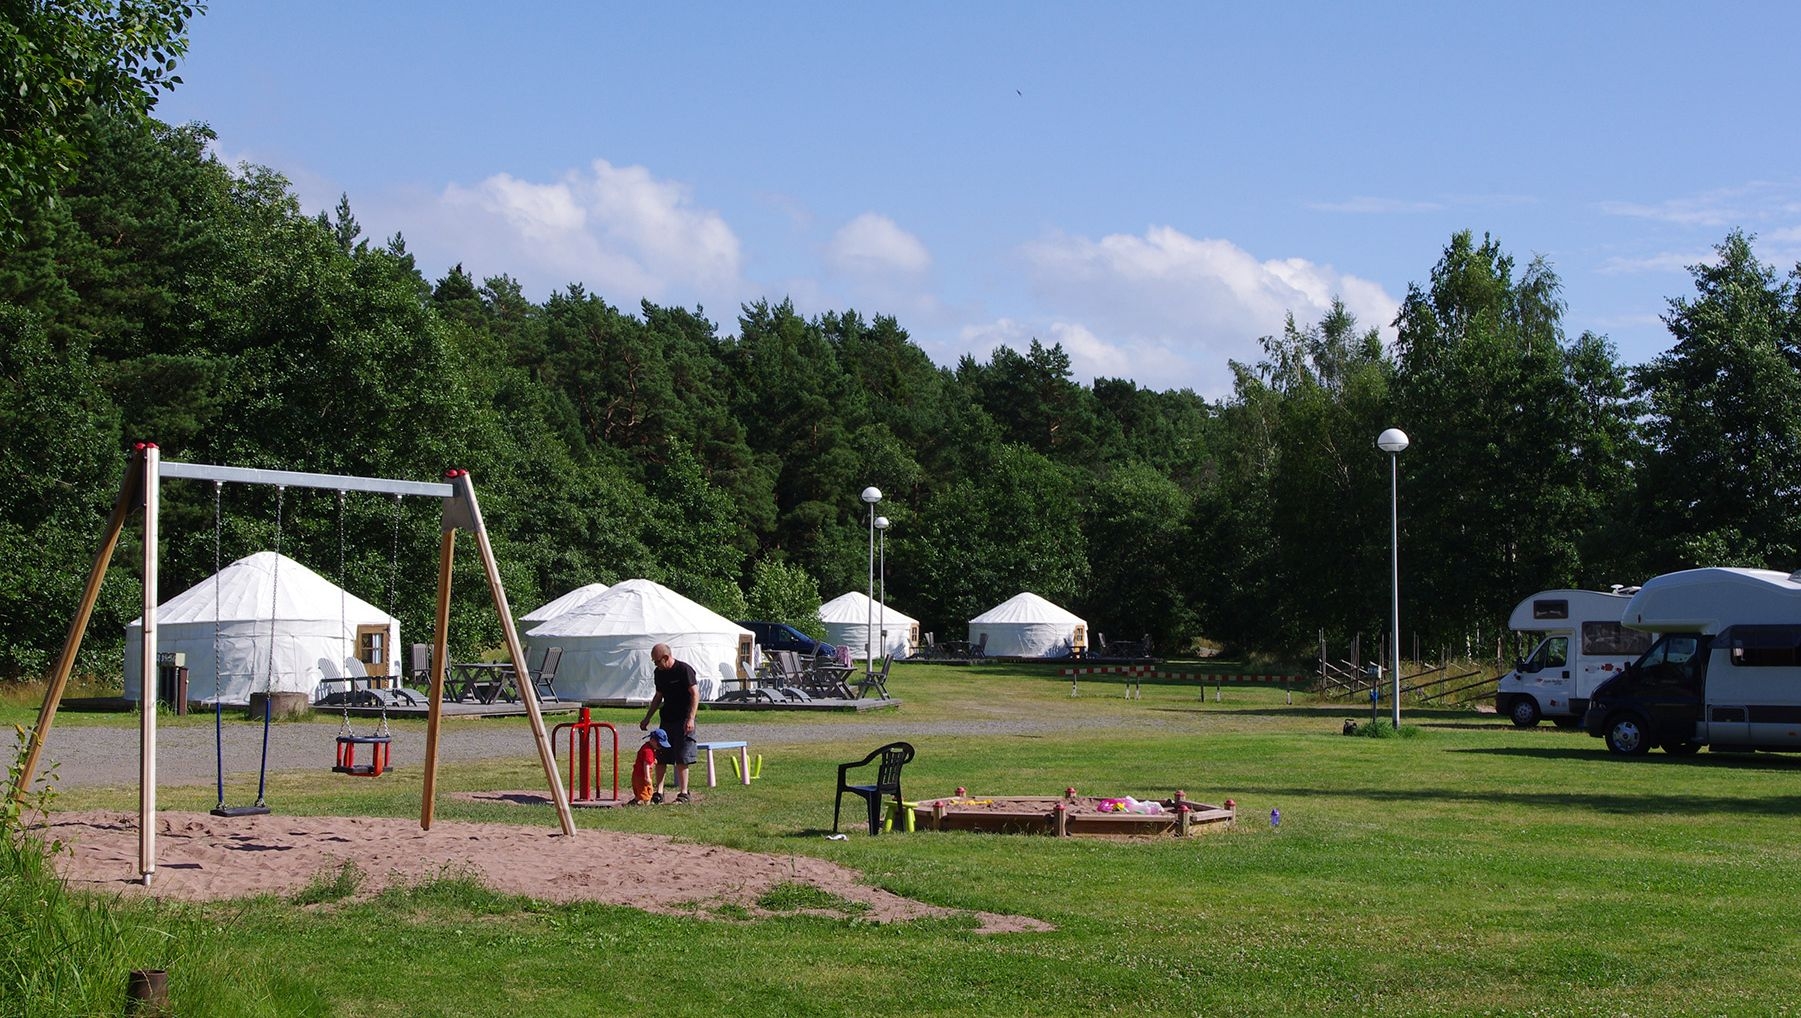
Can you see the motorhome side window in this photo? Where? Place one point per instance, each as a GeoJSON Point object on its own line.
{"type": "Point", "coordinates": [1613, 638]}
{"type": "Point", "coordinates": [1551, 609]}
{"type": "Point", "coordinates": [1763, 646]}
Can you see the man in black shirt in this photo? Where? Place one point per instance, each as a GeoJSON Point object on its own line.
{"type": "Point", "coordinates": [678, 694]}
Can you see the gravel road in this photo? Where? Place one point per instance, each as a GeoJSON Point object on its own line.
{"type": "Point", "coordinates": [93, 756]}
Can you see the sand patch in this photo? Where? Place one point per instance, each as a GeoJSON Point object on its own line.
{"type": "Point", "coordinates": [201, 857]}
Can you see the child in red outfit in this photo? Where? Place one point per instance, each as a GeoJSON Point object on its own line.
{"type": "Point", "coordinates": [641, 767]}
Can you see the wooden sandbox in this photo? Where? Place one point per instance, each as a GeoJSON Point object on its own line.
{"type": "Point", "coordinates": [1065, 815]}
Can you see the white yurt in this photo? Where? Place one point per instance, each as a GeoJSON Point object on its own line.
{"type": "Point", "coordinates": [551, 609]}
{"type": "Point", "coordinates": [1026, 625]}
{"type": "Point", "coordinates": [281, 628]}
{"type": "Point", "coordinates": [606, 642]}
{"type": "Point", "coordinates": [850, 618]}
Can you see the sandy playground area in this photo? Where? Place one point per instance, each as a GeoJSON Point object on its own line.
{"type": "Point", "coordinates": [201, 857]}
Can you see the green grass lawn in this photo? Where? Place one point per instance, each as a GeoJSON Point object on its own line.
{"type": "Point", "coordinates": [1475, 869]}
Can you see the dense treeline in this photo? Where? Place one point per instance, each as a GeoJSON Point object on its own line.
{"type": "Point", "coordinates": [164, 296]}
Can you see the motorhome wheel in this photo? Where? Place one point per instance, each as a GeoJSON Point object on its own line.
{"type": "Point", "coordinates": [1626, 735]}
{"type": "Point", "coordinates": [1525, 712]}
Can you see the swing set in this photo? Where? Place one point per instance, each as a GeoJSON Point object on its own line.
{"type": "Point", "coordinates": [140, 493]}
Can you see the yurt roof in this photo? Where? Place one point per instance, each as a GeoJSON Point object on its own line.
{"type": "Point", "coordinates": [857, 606]}
{"type": "Point", "coordinates": [247, 589]}
{"type": "Point", "coordinates": [551, 609]}
{"type": "Point", "coordinates": [636, 608]}
{"type": "Point", "coordinates": [1025, 607]}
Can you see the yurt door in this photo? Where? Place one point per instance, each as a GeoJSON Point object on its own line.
{"type": "Point", "coordinates": [372, 649]}
{"type": "Point", "coordinates": [1078, 644]}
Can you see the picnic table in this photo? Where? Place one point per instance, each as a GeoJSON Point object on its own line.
{"type": "Point", "coordinates": [481, 681]}
{"type": "Point", "coordinates": [828, 678]}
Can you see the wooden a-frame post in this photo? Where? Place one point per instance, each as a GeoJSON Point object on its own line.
{"type": "Point", "coordinates": [139, 493]}
{"type": "Point", "coordinates": [462, 511]}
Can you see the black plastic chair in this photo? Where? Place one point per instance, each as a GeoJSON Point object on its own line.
{"type": "Point", "coordinates": [877, 681]}
{"type": "Point", "coordinates": [893, 757]}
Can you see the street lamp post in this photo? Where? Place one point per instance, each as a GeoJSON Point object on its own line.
{"type": "Point", "coordinates": [1392, 442]}
{"type": "Point", "coordinates": [881, 576]}
{"type": "Point", "coordinates": [872, 495]}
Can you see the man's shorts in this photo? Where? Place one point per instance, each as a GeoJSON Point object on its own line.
{"type": "Point", "coordinates": [682, 748]}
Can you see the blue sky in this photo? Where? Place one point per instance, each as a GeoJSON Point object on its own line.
{"type": "Point", "coordinates": [1153, 186]}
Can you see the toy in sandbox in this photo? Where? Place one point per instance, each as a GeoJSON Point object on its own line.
{"type": "Point", "coordinates": [1068, 815]}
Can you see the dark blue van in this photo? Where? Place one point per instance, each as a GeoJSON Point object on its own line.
{"type": "Point", "coordinates": [781, 636]}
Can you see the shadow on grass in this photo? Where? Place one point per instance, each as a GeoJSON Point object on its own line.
{"type": "Point", "coordinates": [1595, 751]}
{"type": "Point", "coordinates": [1649, 802]}
{"type": "Point", "coordinates": [1425, 717]}
{"type": "Point", "coordinates": [1783, 805]}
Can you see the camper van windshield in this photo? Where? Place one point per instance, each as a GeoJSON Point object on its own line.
{"type": "Point", "coordinates": [1671, 663]}
{"type": "Point", "coordinates": [1553, 653]}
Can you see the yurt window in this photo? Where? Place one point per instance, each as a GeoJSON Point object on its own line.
{"type": "Point", "coordinates": [745, 642]}
{"type": "Point", "coordinates": [372, 648]}
{"type": "Point", "coordinates": [1080, 640]}
{"type": "Point", "coordinates": [912, 638]}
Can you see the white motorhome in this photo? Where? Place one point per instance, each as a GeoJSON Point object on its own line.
{"type": "Point", "coordinates": [1726, 672]}
{"type": "Point", "coordinates": [1584, 645]}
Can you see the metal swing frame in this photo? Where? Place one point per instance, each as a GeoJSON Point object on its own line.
{"type": "Point", "coordinates": [140, 492]}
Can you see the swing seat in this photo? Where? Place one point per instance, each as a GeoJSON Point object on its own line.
{"type": "Point", "coordinates": [240, 811]}
{"type": "Point", "coordinates": [379, 748]}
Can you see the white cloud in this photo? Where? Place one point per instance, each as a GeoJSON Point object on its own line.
{"type": "Point", "coordinates": [1370, 205]}
{"type": "Point", "coordinates": [872, 244]}
{"type": "Point", "coordinates": [315, 193]}
{"type": "Point", "coordinates": [1663, 261]}
{"type": "Point", "coordinates": [1605, 323]}
{"type": "Point", "coordinates": [619, 230]}
{"type": "Point", "coordinates": [1179, 307]}
{"type": "Point", "coordinates": [1367, 205]}
{"type": "Point", "coordinates": [1743, 205]}
{"type": "Point", "coordinates": [539, 212]}
{"type": "Point", "coordinates": [1090, 356]}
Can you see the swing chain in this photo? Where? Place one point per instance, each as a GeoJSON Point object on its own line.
{"type": "Point", "coordinates": [218, 626]}
{"type": "Point", "coordinates": [281, 491]}
{"type": "Point", "coordinates": [394, 564]}
{"type": "Point", "coordinates": [343, 626]}
{"type": "Point", "coordinates": [344, 730]}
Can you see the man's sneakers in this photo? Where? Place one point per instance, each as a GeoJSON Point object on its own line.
{"type": "Point", "coordinates": [656, 797]}
{"type": "Point", "coordinates": [682, 797]}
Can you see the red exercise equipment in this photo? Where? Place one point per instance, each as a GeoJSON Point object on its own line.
{"type": "Point", "coordinates": [584, 756]}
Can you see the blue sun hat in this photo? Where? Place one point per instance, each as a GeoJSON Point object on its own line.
{"type": "Point", "coordinates": [661, 736]}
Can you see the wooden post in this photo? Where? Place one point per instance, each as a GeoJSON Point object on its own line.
{"type": "Point", "coordinates": [1060, 821]}
{"type": "Point", "coordinates": [938, 815]}
{"type": "Point", "coordinates": [440, 657]}
{"type": "Point", "coordinates": [129, 489]}
{"type": "Point", "coordinates": [147, 687]}
{"type": "Point", "coordinates": [528, 694]}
